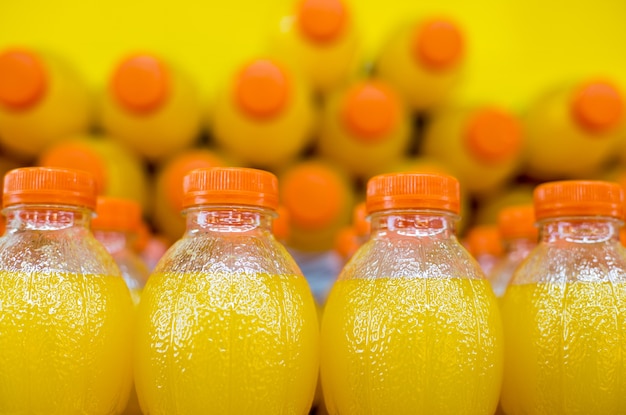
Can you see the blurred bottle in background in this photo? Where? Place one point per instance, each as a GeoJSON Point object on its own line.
{"type": "Point", "coordinates": [365, 128]}
{"type": "Point", "coordinates": [151, 107]}
{"type": "Point", "coordinates": [281, 226]}
{"type": "Point", "coordinates": [321, 40]}
{"type": "Point", "coordinates": [168, 188]}
{"type": "Point", "coordinates": [350, 238]}
{"type": "Point", "coordinates": [485, 245]}
{"type": "Point", "coordinates": [572, 132]}
{"type": "Point", "coordinates": [516, 226]}
{"type": "Point", "coordinates": [42, 101]}
{"type": "Point", "coordinates": [119, 172]}
{"type": "Point", "coordinates": [424, 61]}
{"type": "Point", "coordinates": [482, 146]}
{"type": "Point", "coordinates": [490, 206]}
{"type": "Point", "coordinates": [265, 116]}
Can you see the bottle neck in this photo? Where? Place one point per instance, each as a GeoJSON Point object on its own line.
{"type": "Point", "coordinates": [113, 241]}
{"type": "Point", "coordinates": [240, 219]}
{"type": "Point", "coordinates": [47, 217]}
{"type": "Point", "coordinates": [580, 230]}
{"type": "Point", "coordinates": [414, 222]}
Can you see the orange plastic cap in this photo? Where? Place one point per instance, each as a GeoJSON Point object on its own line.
{"type": "Point", "coordinates": [370, 111]}
{"type": "Point", "coordinates": [143, 236]}
{"type": "Point", "coordinates": [230, 186]}
{"type": "Point", "coordinates": [322, 21]}
{"type": "Point", "coordinates": [578, 198]}
{"type": "Point", "coordinates": [23, 79]}
{"type": "Point", "coordinates": [493, 136]}
{"type": "Point", "coordinates": [262, 89]}
{"type": "Point", "coordinates": [141, 83]}
{"type": "Point", "coordinates": [346, 242]}
{"type": "Point", "coordinates": [484, 240]}
{"type": "Point", "coordinates": [77, 156]}
{"type": "Point", "coordinates": [597, 106]}
{"type": "Point", "coordinates": [113, 214]}
{"type": "Point", "coordinates": [413, 191]}
{"type": "Point", "coordinates": [314, 193]}
{"type": "Point", "coordinates": [359, 220]}
{"type": "Point", "coordinates": [43, 185]}
{"type": "Point", "coordinates": [438, 44]}
{"type": "Point", "coordinates": [281, 225]}
{"type": "Point", "coordinates": [517, 222]}
{"type": "Point", "coordinates": [176, 170]}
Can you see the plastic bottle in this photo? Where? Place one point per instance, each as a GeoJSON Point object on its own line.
{"type": "Point", "coordinates": [564, 312]}
{"type": "Point", "coordinates": [365, 128]}
{"type": "Point", "coordinates": [572, 132]}
{"type": "Point", "coordinates": [489, 207]}
{"type": "Point", "coordinates": [168, 188]}
{"type": "Point", "coordinates": [66, 315]}
{"type": "Point", "coordinates": [119, 173]}
{"type": "Point", "coordinates": [265, 116]}
{"type": "Point", "coordinates": [485, 245]}
{"type": "Point", "coordinates": [411, 286]}
{"type": "Point", "coordinates": [226, 310]}
{"type": "Point", "coordinates": [151, 107]}
{"type": "Point", "coordinates": [321, 39]}
{"type": "Point", "coordinates": [281, 226]}
{"type": "Point", "coordinates": [483, 146]}
{"type": "Point", "coordinates": [42, 101]}
{"type": "Point", "coordinates": [517, 231]}
{"type": "Point", "coordinates": [424, 61]}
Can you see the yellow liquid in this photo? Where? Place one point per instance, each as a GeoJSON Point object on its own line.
{"type": "Point", "coordinates": [411, 346]}
{"type": "Point", "coordinates": [566, 349]}
{"type": "Point", "coordinates": [65, 344]}
{"type": "Point", "coordinates": [226, 344]}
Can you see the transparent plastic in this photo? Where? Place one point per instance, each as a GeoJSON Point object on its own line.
{"type": "Point", "coordinates": [64, 316]}
{"type": "Point", "coordinates": [515, 251]}
{"type": "Point", "coordinates": [564, 316]}
{"type": "Point", "coordinates": [411, 326]}
{"type": "Point", "coordinates": [227, 323]}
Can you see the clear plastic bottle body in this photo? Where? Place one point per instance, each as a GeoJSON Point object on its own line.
{"type": "Point", "coordinates": [228, 311]}
{"type": "Point", "coordinates": [516, 250]}
{"type": "Point", "coordinates": [64, 320]}
{"type": "Point", "coordinates": [564, 316]}
{"type": "Point", "coordinates": [411, 326]}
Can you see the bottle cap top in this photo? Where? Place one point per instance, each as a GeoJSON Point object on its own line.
{"type": "Point", "coordinates": [114, 214]}
{"type": "Point", "coordinates": [493, 136]}
{"type": "Point", "coordinates": [23, 80]}
{"type": "Point", "coordinates": [141, 83]}
{"type": "Point", "coordinates": [517, 222]}
{"type": "Point", "coordinates": [262, 89]}
{"type": "Point", "coordinates": [322, 21]}
{"type": "Point", "coordinates": [438, 44]}
{"type": "Point", "coordinates": [578, 198]}
{"type": "Point", "coordinates": [597, 106]}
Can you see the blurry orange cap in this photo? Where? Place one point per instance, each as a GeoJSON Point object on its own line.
{"type": "Point", "coordinates": [483, 240]}
{"type": "Point", "coordinates": [141, 83]}
{"type": "Point", "coordinates": [43, 185]}
{"type": "Point", "coordinates": [413, 191]}
{"type": "Point", "coordinates": [517, 222]}
{"type": "Point", "coordinates": [346, 242]}
{"type": "Point", "coordinates": [598, 106]}
{"type": "Point", "coordinates": [438, 44]}
{"type": "Point", "coordinates": [314, 193]}
{"type": "Point", "coordinates": [359, 220]}
{"type": "Point", "coordinates": [578, 198]}
{"type": "Point", "coordinates": [281, 225]}
{"type": "Point", "coordinates": [262, 89]}
{"type": "Point", "coordinates": [143, 237]}
{"type": "Point", "coordinates": [370, 110]}
{"type": "Point", "coordinates": [113, 214]}
{"type": "Point", "coordinates": [23, 79]}
{"type": "Point", "coordinates": [322, 20]}
{"type": "Point", "coordinates": [176, 170]}
{"type": "Point", "coordinates": [77, 156]}
{"type": "Point", "coordinates": [493, 136]}
{"type": "Point", "coordinates": [230, 186]}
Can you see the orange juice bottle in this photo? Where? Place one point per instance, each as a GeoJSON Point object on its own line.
{"type": "Point", "coordinates": [424, 61]}
{"type": "Point", "coordinates": [490, 206]}
{"type": "Point", "coordinates": [320, 198]}
{"type": "Point", "coordinates": [572, 132]}
{"type": "Point", "coordinates": [485, 245]}
{"type": "Point", "coordinates": [265, 115]}
{"type": "Point", "coordinates": [564, 313]}
{"type": "Point", "coordinates": [151, 107]}
{"type": "Point", "coordinates": [168, 188]}
{"type": "Point", "coordinates": [66, 315]}
{"type": "Point", "coordinates": [227, 311]}
{"type": "Point", "coordinates": [365, 128]}
{"type": "Point", "coordinates": [407, 329]}
{"type": "Point", "coordinates": [119, 172]}
{"type": "Point", "coordinates": [42, 101]}
{"type": "Point", "coordinates": [321, 39]}
{"type": "Point", "coordinates": [516, 226]}
{"type": "Point", "coordinates": [483, 146]}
